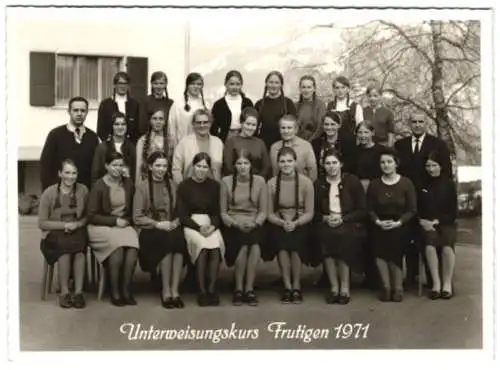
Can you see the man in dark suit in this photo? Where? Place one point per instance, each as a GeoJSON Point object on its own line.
{"type": "Point", "coordinates": [412, 152]}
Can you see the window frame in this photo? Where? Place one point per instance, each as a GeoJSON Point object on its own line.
{"type": "Point", "coordinates": [93, 105]}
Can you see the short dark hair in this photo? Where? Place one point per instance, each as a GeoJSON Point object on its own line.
{"type": "Point", "coordinates": [78, 99]}
{"type": "Point", "coordinates": [113, 156]}
{"type": "Point", "coordinates": [332, 152]}
{"type": "Point", "coordinates": [119, 75]}
{"type": "Point", "coordinates": [389, 151]}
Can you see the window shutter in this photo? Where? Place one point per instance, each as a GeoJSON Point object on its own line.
{"type": "Point", "coordinates": [42, 79]}
{"type": "Point", "coordinates": [137, 69]}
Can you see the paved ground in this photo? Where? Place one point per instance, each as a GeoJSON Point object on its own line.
{"type": "Point", "coordinates": [416, 323]}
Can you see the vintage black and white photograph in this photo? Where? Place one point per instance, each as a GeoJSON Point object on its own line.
{"type": "Point", "coordinates": [249, 178]}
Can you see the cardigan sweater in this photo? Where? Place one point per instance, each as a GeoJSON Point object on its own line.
{"type": "Point", "coordinates": [60, 145]}
{"type": "Point", "coordinates": [48, 219]}
{"type": "Point", "coordinates": [351, 195]}
{"type": "Point", "coordinates": [149, 105]}
{"type": "Point", "coordinates": [438, 200]}
{"type": "Point", "coordinates": [98, 165]}
{"type": "Point", "coordinates": [270, 112]}
{"type": "Point", "coordinates": [180, 121]}
{"type": "Point", "coordinates": [306, 160]}
{"type": "Point", "coordinates": [261, 164]}
{"type": "Point", "coordinates": [142, 211]}
{"type": "Point", "coordinates": [345, 144]}
{"type": "Point", "coordinates": [222, 117]}
{"type": "Point", "coordinates": [99, 206]}
{"type": "Point", "coordinates": [108, 108]}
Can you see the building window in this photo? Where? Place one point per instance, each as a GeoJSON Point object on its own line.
{"type": "Point", "coordinates": [87, 76]}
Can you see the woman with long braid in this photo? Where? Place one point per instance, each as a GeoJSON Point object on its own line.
{"type": "Point", "coordinates": [161, 238]}
{"type": "Point", "coordinates": [273, 105]}
{"type": "Point", "coordinates": [62, 219]}
{"type": "Point", "coordinates": [181, 113]}
{"type": "Point", "coordinates": [290, 212]}
{"type": "Point", "coordinates": [120, 101]}
{"type": "Point", "coordinates": [243, 212]}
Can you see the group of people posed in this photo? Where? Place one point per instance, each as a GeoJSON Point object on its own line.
{"type": "Point", "coordinates": [171, 185]}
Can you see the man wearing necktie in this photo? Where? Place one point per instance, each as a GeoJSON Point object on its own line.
{"type": "Point", "coordinates": [412, 152]}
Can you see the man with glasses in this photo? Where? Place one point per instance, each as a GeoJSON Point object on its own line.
{"type": "Point", "coordinates": [412, 152]}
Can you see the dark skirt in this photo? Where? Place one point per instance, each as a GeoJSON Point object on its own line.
{"type": "Point", "coordinates": [156, 244]}
{"type": "Point", "coordinates": [277, 239]}
{"type": "Point", "coordinates": [344, 243]}
{"type": "Point", "coordinates": [235, 239]}
{"type": "Point", "coordinates": [444, 236]}
{"type": "Point", "coordinates": [390, 245]}
{"type": "Point", "coordinates": [58, 243]}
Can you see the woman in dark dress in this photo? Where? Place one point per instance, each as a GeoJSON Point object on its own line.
{"type": "Point", "coordinates": [273, 105]}
{"type": "Point", "coordinates": [331, 139]}
{"type": "Point", "coordinates": [158, 99]}
{"type": "Point", "coordinates": [117, 142]}
{"type": "Point", "coordinates": [290, 211]}
{"type": "Point", "coordinates": [243, 206]}
{"type": "Point", "coordinates": [391, 203]}
{"type": "Point", "coordinates": [437, 213]}
{"type": "Point", "coordinates": [62, 219]}
{"type": "Point", "coordinates": [161, 238]}
{"type": "Point", "coordinates": [367, 154]}
{"type": "Point", "coordinates": [227, 110]}
{"type": "Point", "coordinates": [340, 212]}
{"type": "Point", "coordinates": [121, 101]}
{"type": "Point", "coordinates": [198, 202]}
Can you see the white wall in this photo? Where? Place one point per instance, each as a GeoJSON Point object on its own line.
{"type": "Point", "coordinates": [77, 31]}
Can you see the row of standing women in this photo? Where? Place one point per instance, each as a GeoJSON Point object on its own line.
{"type": "Point", "coordinates": [239, 218]}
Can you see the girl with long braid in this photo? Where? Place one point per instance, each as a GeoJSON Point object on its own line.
{"type": "Point", "coordinates": [273, 105]}
{"type": "Point", "coordinates": [158, 99]}
{"type": "Point", "coordinates": [290, 212]}
{"type": "Point", "coordinates": [243, 212]}
{"type": "Point", "coordinates": [310, 109]}
{"type": "Point", "coordinates": [120, 101]}
{"type": "Point", "coordinates": [117, 142]}
{"type": "Point", "coordinates": [156, 139]}
{"type": "Point", "coordinates": [161, 238]}
{"type": "Point", "coordinates": [181, 113]}
{"type": "Point", "coordinates": [62, 219]}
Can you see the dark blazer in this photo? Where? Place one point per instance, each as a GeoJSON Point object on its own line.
{"type": "Point", "coordinates": [99, 206]}
{"type": "Point", "coordinates": [351, 194]}
{"type": "Point", "coordinates": [129, 154]}
{"type": "Point", "coordinates": [107, 108]}
{"type": "Point", "coordinates": [438, 201]}
{"type": "Point", "coordinates": [412, 164]}
{"type": "Point", "coordinates": [345, 144]}
{"type": "Point", "coordinates": [222, 117]}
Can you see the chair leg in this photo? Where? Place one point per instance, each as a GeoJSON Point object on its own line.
{"type": "Point", "coordinates": [51, 278]}
{"type": "Point", "coordinates": [45, 275]}
{"type": "Point", "coordinates": [93, 270]}
{"type": "Point", "coordinates": [421, 272]}
{"type": "Point", "coordinates": [102, 281]}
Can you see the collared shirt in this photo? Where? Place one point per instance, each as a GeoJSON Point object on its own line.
{"type": "Point", "coordinates": [77, 131]}
{"type": "Point", "coordinates": [414, 142]}
{"type": "Point", "coordinates": [121, 101]}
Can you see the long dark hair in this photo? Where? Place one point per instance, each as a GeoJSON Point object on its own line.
{"type": "Point", "coordinates": [192, 77]}
{"type": "Point", "coordinates": [147, 139]}
{"type": "Point", "coordinates": [237, 154]}
{"type": "Point", "coordinates": [72, 194]}
{"type": "Point", "coordinates": [282, 97]}
{"type": "Point", "coordinates": [202, 156]}
{"type": "Point", "coordinates": [344, 81]}
{"type": "Point", "coordinates": [237, 74]}
{"type": "Point", "coordinates": [286, 150]}
{"type": "Point", "coordinates": [314, 97]}
{"type": "Point", "coordinates": [159, 75]}
{"type": "Point", "coordinates": [151, 160]}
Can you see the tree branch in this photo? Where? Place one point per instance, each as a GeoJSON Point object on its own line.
{"type": "Point", "coordinates": [411, 102]}
{"type": "Point", "coordinates": [465, 84]}
{"type": "Point", "coordinates": [475, 107]}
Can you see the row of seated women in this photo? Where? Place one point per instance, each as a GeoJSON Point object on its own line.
{"type": "Point", "coordinates": [165, 223]}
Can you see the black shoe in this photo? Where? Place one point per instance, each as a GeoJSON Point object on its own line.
{"type": "Point", "coordinates": [397, 296]}
{"type": "Point", "coordinates": [65, 300]}
{"type": "Point", "coordinates": [203, 300]}
{"type": "Point", "coordinates": [129, 300]}
{"type": "Point", "coordinates": [177, 302]}
{"type": "Point", "coordinates": [167, 303]}
{"type": "Point", "coordinates": [434, 294]}
{"type": "Point", "coordinates": [251, 298]}
{"type": "Point", "coordinates": [385, 295]}
{"type": "Point", "coordinates": [446, 295]}
{"type": "Point", "coordinates": [238, 298]}
{"type": "Point", "coordinates": [332, 297]}
{"type": "Point", "coordinates": [343, 298]}
{"type": "Point", "coordinates": [118, 302]}
{"type": "Point", "coordinates": [297, 296]}
{"type": "Point", "coordinates": [213, 299]}
{"type": "Point", "coordinates": [79, 301]}
{"type": "Point", "coordinates": [286, 297]}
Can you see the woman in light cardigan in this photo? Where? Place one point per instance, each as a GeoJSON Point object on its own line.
{"type": "Point", "coordinates": [62, 219]}
{"type": "Point", "coordinates": [199, 141]}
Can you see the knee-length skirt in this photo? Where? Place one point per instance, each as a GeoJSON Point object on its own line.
{"type": "Point", "coordinates": [443, 236]}
{"type": "Point", "coordinates": [58, 243]}
{"type": "Point", "coordinates": [197, 242]}
{"type": "Point", "coordinates": [390, 245]}
{"type": "Point", "coordinates": [155, 244]}
{"type": "Point", "coordinates": [344, 242]}
{"type": "Point", "coordinates": [104, 240]}
{"type": "Point", "coordinates": [235, 239]}
{"type": "Point", "coordinates": [277, 239]}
